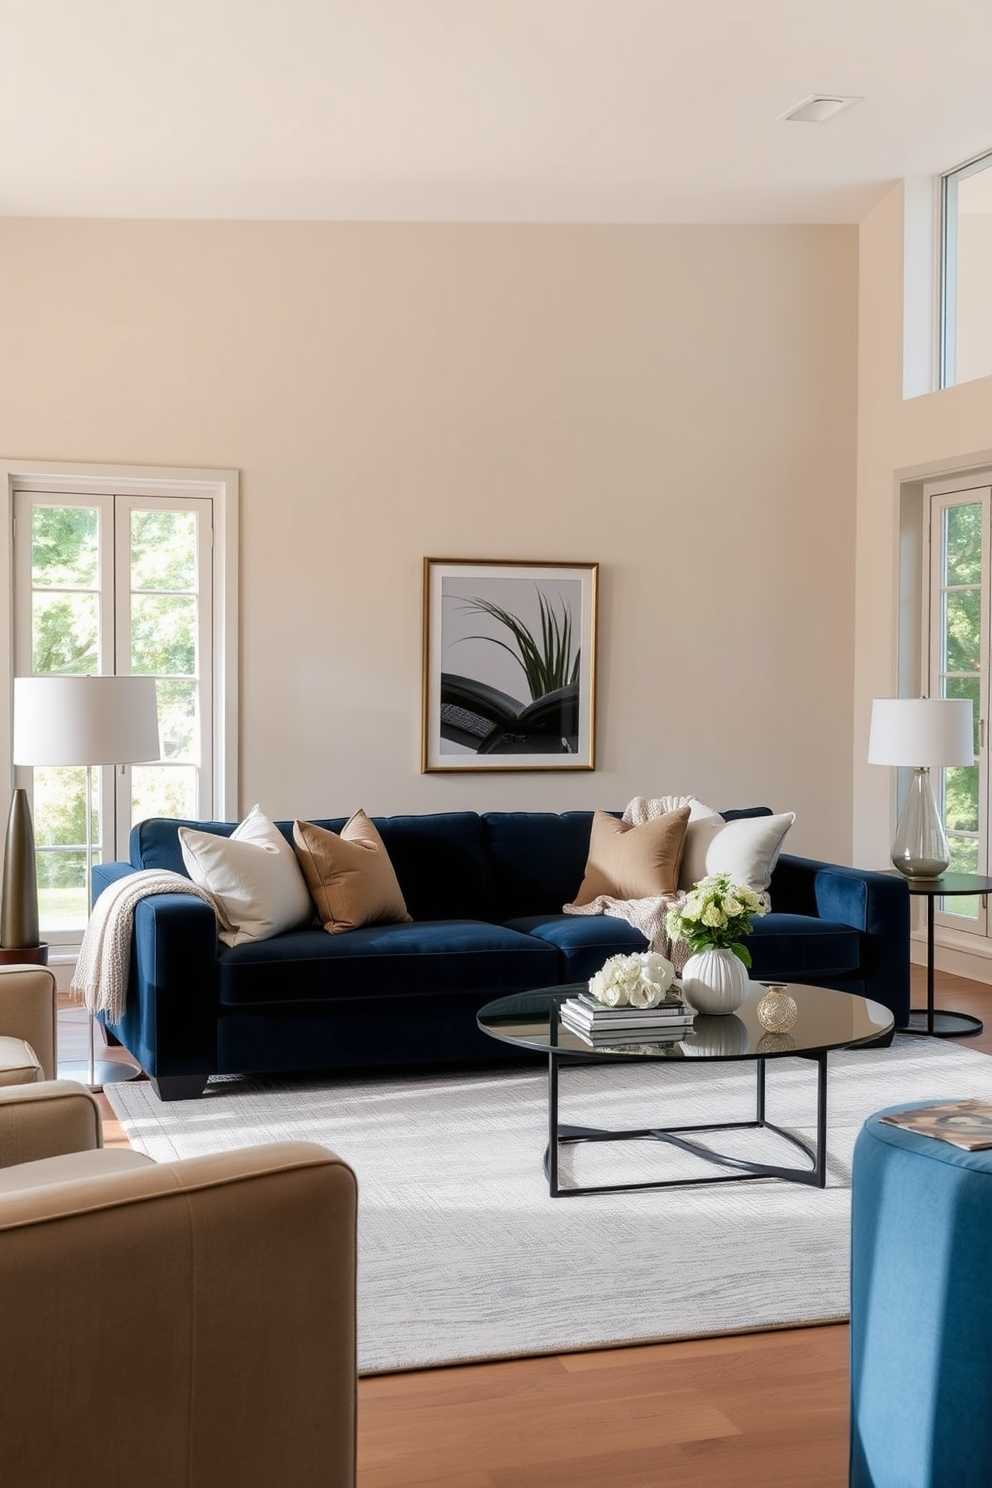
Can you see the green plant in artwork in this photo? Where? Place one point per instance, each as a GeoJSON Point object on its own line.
{"type": "Point", "coordinates": [546, 656]}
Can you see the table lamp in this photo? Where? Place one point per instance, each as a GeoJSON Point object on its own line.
{"type": "Point", "coordinates": [84, 721]}
{"type": "Point", "coordinates": [924, 733]}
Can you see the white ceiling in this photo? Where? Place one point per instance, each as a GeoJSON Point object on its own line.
{"type": "Point", "coordinates": [483, 110]}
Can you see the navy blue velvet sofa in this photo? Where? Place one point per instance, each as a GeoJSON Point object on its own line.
{"type": "Point", "coordinates": [485, 893]}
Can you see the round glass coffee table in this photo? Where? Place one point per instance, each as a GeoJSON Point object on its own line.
{"type": "Point", "coordinates": [825, 1020]}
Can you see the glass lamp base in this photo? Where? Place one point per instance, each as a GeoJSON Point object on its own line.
{"type": "Point", "coordinates": [920, 846]}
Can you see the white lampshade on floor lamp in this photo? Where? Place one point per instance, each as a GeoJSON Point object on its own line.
{"type": "Point", "coordinates": [86, 721]}
{"type": "Point", "coordinates": [924, 733]}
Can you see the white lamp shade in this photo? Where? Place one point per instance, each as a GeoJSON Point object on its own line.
{"type": "Point", "coordinates": [921, 732]}
{"type": "Point", "coordinates": [85, 720]}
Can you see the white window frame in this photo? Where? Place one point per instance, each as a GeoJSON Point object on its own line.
{"type": "Point", "coordinates": [204, 634]}
{"type": "Point", "coordinates": [948, 281]}
{"type": "Point", "coordinates": [938, 496]}
{"type": "Point", "coordinates": [222, 489]}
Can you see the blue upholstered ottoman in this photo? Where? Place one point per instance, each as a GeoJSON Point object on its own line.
{"type": "Point", "coordinates": [921, 1311]}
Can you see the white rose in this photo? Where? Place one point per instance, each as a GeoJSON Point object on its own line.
{"type": "Point", "coordinates": [712, 916]}
{"type": "Point", "coordinates": [596, 984]}
{"type": "Point", "coordinates": [659, 969]}
{"type": "Point", "coordinates": [607, 985]}
{"type": "Point", "coordinates": [615, 994]}
{"type": "Point", "coordinates": [643, 994]}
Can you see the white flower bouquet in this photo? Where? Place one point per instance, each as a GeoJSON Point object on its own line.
{"type": "Point", "coordinates": [640, 980]}
{"type": "Point", "coordinates": [715, 914]}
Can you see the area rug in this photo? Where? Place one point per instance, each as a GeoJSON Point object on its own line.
{"type": "Point", "coordinates": [463, 1254]}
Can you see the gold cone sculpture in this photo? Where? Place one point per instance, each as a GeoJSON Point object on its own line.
{"type": "Point", "coordinates": [19, 896]}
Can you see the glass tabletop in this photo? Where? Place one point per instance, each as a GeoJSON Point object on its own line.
{"type": "Point", "coordinates": [825, 1020]}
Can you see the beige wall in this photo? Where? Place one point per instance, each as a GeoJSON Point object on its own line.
{"type": "Point", "coordinates": [677, 403]}
{"type": "Point", "coordinates": [899, 440]}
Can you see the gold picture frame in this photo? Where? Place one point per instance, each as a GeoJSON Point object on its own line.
{"type": "Point", "coordinates": [509, 669]}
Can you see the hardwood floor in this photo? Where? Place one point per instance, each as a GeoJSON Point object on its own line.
{"type": "Point", "coordinates": [759, 1410]}
{"type": "Point", "coordinates": [763, 1409]}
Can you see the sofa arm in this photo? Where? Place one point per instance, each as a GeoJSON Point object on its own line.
{"type": "Point", "coordinates": [240, 1366]}
{"type": "Point", "coordinates": [875, 903]}
{"type": "Point", "coordinates": [28, 1010]}
{"type": "Point", "coordinates": [47, 1119]}
{"type": "Point", "coordinates": [170, 1018]}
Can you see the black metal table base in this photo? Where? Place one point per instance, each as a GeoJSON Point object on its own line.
{"type": "Point", "coordinates": [815, 1174]}
{"type": "Point", "coordinates": [942, 1023]}
{"type": "Point", "coordinates": [931, 1021]}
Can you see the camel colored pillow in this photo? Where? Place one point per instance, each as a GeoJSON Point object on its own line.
{"type": "Point", "coordinates": [628, 862]}
{"type": "Point", "coordinates": [350, 877]}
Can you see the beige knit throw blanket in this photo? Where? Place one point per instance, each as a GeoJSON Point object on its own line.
{"type": "Point", "coordinates": [100, 978]}
{"type": "Point", "coordinates": [646, 915]}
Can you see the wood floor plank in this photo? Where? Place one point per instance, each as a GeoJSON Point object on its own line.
{"type": "Point", "coordinates": [386, 1475]}
{"type": "Point", "coordinates": [546, 1425]}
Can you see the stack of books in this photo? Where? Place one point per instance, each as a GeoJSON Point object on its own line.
{"type": "Point", "coordinates": [668, 1022]}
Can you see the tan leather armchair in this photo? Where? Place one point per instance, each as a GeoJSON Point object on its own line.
{"type": "Point", "coordinates": [179, 1325]}
{"type": "Point", "coordinates": [28, 1016]}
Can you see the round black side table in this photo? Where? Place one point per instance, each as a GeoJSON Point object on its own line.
{"type": "Point", "coordinates": [942, 1022]}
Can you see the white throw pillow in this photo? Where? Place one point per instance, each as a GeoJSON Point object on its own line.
{"type": "Point", "coordinates": [746, 848]}
{"type": "Point", "coordinates": [253, 875]}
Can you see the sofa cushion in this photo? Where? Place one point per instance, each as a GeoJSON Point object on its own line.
{"type": "Point", "coordinates": [19, 1064]}
{"type": "Point", "coordinates": [349, 875]}
{"type": "Point", "coordinates": [582, 942]}
{"type": "Point", "coordinates": [783, 947]}
{"type": "Point", "coordinates": [537, 860]}
{"type": "Point", "coordinates": [440, 859]}
{"type": "Point", "coordinates": [789, 947]}
{"type": "Point", "coordinates": [252, 876]}
{"type": "Point", "coordinates": [154, 842]}
{"type": "Point", "coordinates": [633, 862]}
{"type": "Point", "coordinates": [421, 958]}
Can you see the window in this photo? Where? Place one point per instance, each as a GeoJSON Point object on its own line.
{"type": "Point", "coordinates": [958, 627]}
{"type": "Point", "coordinates": [127, 581]}
{"type": "Point", "coordinates": [966, 273]}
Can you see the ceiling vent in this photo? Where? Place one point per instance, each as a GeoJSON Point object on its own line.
{"type": "Point", "coordinates": [818, 108]}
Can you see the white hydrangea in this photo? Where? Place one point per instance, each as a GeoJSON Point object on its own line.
{"type": "Point", "coordinates": [638, 980]}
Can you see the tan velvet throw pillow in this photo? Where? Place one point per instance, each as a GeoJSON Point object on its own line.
{"type": "Point", "coordinates": [628, 862]}
{"type": "Point", "coordinates": [350, 878]}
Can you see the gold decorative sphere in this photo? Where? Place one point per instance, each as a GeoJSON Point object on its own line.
{"type": "Point", "coordinates": [777, 1011]}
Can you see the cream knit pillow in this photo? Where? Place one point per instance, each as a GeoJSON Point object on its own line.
{"type": "Point", "coordinates": [252, 875]}
{"type": "Point", "coordinates": [746, 848]}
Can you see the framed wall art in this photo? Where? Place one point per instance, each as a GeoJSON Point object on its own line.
{"type": "Point", "coordinates": [509, 665]}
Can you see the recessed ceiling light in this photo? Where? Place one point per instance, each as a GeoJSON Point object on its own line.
{"type": "Point", "coordinates": [818, 108]}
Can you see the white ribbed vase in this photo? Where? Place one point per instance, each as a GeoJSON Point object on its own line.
{"type": "Point", "coordinates": [715, 981]}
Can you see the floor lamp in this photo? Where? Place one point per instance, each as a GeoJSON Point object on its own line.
{"type": "Point", "coordinates": [86, 721]}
